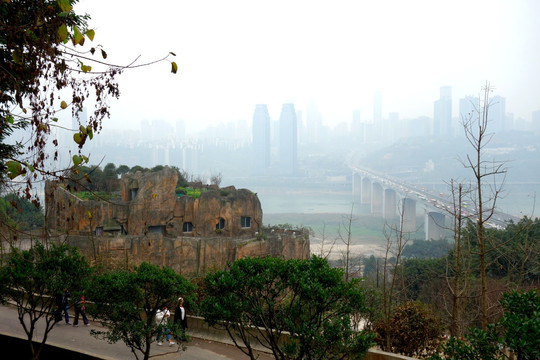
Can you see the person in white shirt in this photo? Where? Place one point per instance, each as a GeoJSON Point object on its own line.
{"type": "Point", "coordinates": [162, 319]}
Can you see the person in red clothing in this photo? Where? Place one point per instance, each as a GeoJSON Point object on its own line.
{"type": "Point", "coordinates": [80, 307]}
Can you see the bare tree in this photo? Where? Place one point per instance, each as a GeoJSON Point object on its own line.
{"type": "Point", "coordinates": [346, 239]}
{"type": "Point", "coordinates": [487, 183]}
{"type": "Point", "coordinates": [458, 266]}
{"type": "Point", "coordinates": [396, 240]}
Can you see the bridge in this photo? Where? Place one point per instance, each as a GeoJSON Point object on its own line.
{"type": "Point", "coordinates": [391, 198]}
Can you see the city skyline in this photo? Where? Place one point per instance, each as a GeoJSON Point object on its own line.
{"type": "Point", "coordinates": [235, 54]}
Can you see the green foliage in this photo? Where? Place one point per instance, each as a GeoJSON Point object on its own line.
{"type": "Point", "coordinates": [32, 278]}
{"type": "Point", "coordinates": [194, 193]}
{"type": "Point", "coordinates": [98, 195]}
{"type": "Point", "coordinates": [122, 169]}
{"type": "Point", "coordinates": [180, 191]}
{"type": "Point", "coordinates": [305, 298]}
{"type": "Point", "coordinates": [420, 275]}
{"type": "Point", "coordinates": [414, 330]}
{"type": "Point", "coordinates": [19, 213]}
{"type": "Point", "coordinates": [518, 329]}
{"type": "Point", "coordinates": [224, 192]}
{"type": "Point", "coordinates": [521, 323]}
{"type": "Point", "coordinates": [126, 303]}
{"type": "Point", "coordinates": [157, 168]}
{"type": "Point", "coordinates": [427, 249]}
{"type": "Point", "coordinates": [136, 168]}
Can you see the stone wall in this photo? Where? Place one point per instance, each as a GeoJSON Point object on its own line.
{"type": "Point", "coordinates": [190, 255]}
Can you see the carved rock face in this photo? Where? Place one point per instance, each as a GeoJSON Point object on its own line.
{"type": "Point", "coordinates": [149, 205]}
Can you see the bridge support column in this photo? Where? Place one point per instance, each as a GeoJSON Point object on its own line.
{"type": "Point", "coordinates": [389, 204]}
{"type": "Point", "coordinates": [365, 196]}
{"type": "Point", "coordinates": [409, 215]}
{"type": "Point", "coordinates": [434, 225]}
{"type": "Point", "coordinates": [356, 185]}
{"type": "Point", "coordinates": [376, 199]}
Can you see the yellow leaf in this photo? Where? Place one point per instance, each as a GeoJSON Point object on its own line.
{"type": "Point", "coordinates": [77, 137]}
{"type": "Point", "coordinates": [89, 214]}
{"type": "Point", "coordinates": [90, 33]}
{"type": "Point", "coordinates": [78, 38]}
{"type": "Point", "coordinates": [174, 67]}
{"type": "Point", "coordinates": [86, 68]}
{"type": "Point", "coordinates": [63, 104]}
{"type": "Point", "coordinates": [65, 5]}
{"type": "Point", "coordinates": [154, 195]}
{"type": "Point", "coordinates": [62, 33]}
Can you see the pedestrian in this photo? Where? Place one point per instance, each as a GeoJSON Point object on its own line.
{"type": "Point", "coordinates": [62, 306]}
{"type": "Point", "coordinates": [80, 308]}
{"type": "Point", "coordinates": [162, 320]}
{"type": "Point", "coordinates": [180, 316]}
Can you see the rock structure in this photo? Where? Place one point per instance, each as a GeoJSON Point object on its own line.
{"type": "Point", "coordinates": [152, 223]}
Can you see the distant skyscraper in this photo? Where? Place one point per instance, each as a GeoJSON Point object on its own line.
{"type": "Point", "coordinates": [497, 115]}
{"type": "Point", "coordinates": [261, 139]}
{"type": "Point", "coordinates": [442, 113]}
{"type": "Point", "coordinates": [468, 108]}
{"type": "Point", "coordinates": [288, 141]}
{"type": "Point", "coordinates": [357, 127]}
{"type": "Point", "coordinates": [393, 132]}
{"type": "Point", "coordinates": [378, 125]}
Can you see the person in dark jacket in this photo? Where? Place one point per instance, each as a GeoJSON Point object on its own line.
{"type": "Point", "coordinates": [180, 316]}
{"type": "Point", "coordinates": [62, 305]}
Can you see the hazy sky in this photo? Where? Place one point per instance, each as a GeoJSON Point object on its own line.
{"type": "Point", "coordinates": [234, 54]}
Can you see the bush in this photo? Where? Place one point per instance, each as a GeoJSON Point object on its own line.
{"type": "Point", "coordinates": [414, 330]}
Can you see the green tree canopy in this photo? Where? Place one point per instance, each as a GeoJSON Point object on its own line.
{"type": "Point", "coordinates": [32, 278]}
{"type": "Point", "coordinates": [19, 213]}
{"type": "Point", "coordinates": [126, 303]}
{"type": "Point", "coordinates": [305, 298]}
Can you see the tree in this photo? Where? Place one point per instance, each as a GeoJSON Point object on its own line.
{"type": "Point", "coordinates": [110, 176]}
{"type": "Point", "coordinates": [259, 299]}
{"type": "Point", "coordinates": [486, 188]}
{"type": "Point", "coordinates": [125, 302]}
{"type": "Point", "coordinates": [414, 330]}
{"type": "Point", "coordinates": [45, 68]}
{"type": "Point", "coordinates": [19, 213]}
{"type": "Point", "coordinates": [122, 169]}
{"type": "Point", "coordinates": [32, 278]}
{"type": "Point", "coordinates": [518, 330]}
{"type": "Point", "coordinates": [521, 323]}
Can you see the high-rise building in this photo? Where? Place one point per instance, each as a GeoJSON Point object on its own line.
{"type": "Point", "coordinates": [442, 113]}
{"type": "Point", "coordinates": [377, 128]}
{"type": "Point", "coordinates": [468, 108]}
{"type": "Point", "coordinates": [497, 115]}
{"type": "Point", "coordinates": [357, 127]}
{"type": "Point", "coordinates": [288, 141]}
{"type": "Point", "coordinates": [261, 139]}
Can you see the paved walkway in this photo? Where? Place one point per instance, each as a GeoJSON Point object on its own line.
{"type": "Point", "coordinates": [80, 340]}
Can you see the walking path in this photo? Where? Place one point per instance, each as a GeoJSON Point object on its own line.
{"type": "Point", "coordinates": [80, 340]}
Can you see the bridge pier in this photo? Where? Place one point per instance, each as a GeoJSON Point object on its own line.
{"type": "Point", "coordinates": [409, 215]}
{"type": "Point", "coordinates": [365, 196]}
{"type": "Point", "coordinates": [434, 225]}
{"type": "Point", "coordinates": [356, 185]}
{"type": "Point", "coordinates": [389, 204]}
{"type": "Point", "coordinates": [376, 199]}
